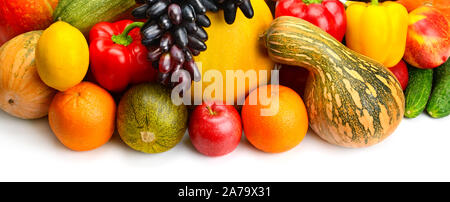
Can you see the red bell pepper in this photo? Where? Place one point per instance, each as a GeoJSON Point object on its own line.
{"type": "Point", "coordinates": [117, 55]}
{"type": "Point", "coordinates": [326, 14]}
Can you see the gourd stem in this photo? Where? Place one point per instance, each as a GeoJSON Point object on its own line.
{"type": "Point", "coordinates": [124, 38]}
{"type": "Point", "coordinates": [375, 2]}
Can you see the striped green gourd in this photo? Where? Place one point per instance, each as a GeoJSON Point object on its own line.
{"type": "Point", "coordinates": [352, 100]}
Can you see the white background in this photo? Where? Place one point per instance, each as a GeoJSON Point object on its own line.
{"type": "Point", "coordinates": [419, 150]}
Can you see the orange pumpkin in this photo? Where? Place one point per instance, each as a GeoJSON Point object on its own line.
{"type": "Point", "coordinates": [22, 93]}
{"type": "Point", "coordinates": [442, 5]}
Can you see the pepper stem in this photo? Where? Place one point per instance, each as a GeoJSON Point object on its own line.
{"type": "Point", "coordinates": [307, 2]}
{"type": "Point", "coordinates": [375, 2]}
{"type": "Point", "coordinates": [124, 38]}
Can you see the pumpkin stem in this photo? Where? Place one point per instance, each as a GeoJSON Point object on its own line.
{"type": "Point", "coordinates": [11, 101]}
{"type": "Point", "coordinates": [375, 2]}
{"type": "Point", "coordinates": [262, 39]}
{"type": "Point", "coordinates": [124, 38]}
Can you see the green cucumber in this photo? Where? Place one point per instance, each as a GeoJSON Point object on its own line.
{"type": "Point", "coordinates": [418, 90]}
{"type": "Point", "coordinates": [439, 103]}
{"type": "Point", "coordinates": [83, 14]}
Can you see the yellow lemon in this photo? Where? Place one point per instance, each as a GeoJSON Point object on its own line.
{"type": "Point", "coordinates": [62, 56]}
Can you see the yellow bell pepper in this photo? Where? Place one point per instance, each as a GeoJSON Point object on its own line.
{"type": "Point", "coordinates": [377, 30]}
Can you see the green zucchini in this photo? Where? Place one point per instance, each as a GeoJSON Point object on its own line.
{"type": "Point", "coordinates": [418, 90]}
{"type": "Point", "coordinates": [439, 103]}
{"type": "Point", "coordinates": [83, 14]}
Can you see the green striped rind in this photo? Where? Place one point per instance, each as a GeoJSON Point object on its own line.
{"type": "Point", "coordinates": [418, 91]}
{"type": "Point", "coordinates": [83, 14]}
{"type": "Point", "coordinates": [148, 108]}
{"type": "Point", "coordinates": [439, 103]}
{"type": "Point", "coordinates": [352, 100]}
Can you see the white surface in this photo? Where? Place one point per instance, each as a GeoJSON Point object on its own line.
{"type": "Point", "coordinates": [419, 150]}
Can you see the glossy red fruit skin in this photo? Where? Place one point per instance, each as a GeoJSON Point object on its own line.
{"type": "Point", "coordinates": [115, 65]}
{"type": "Point", "coordinates": [20, 16]}
{"type": "Point", "coordinates": [329, 15]}
{"type": "Point", "coordinates": [294, 78]}
{"type": "Point", "coordinates": [401, 73]}
{"type": "Point", "coordinates": [217, 133]}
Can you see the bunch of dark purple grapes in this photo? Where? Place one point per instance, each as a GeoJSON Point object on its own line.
{"type": "Point", "coordinates": [174, 32]}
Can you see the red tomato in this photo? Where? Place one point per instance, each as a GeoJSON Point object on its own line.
{"type": "Point", "coordinates": [401, 72]}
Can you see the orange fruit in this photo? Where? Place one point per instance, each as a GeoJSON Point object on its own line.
{"type": "Point", "coordinates": [274, 125]}
{"type": "Point", "coordinates": [83, 117]}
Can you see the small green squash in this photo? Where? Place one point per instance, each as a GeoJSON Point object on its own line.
{"type": "Point", "coordinates": [83, 14]}
{"type": "Point", "coordinates": [418, 91]}
{"type": "Point", "coordinates": [148, 121]}
{"type": "Point", "coordinates": [439, 103]}
{"type": "Point", "coordinates": [352, 100]}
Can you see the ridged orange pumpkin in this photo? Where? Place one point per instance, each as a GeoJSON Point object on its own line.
{"type": "Point", "coordinates": [22, 93]}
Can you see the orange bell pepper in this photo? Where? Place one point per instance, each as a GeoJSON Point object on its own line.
{"type": "Point", "coordinates": [377, 30]}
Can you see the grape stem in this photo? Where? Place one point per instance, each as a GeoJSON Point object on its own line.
{"type": "Point", "coordinates": [124, 38]}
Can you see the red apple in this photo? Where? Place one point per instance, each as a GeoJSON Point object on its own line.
{"type": "Point", "coordinates": [294, 78]}
{"type": "Point", "coordinates": [20, 16]}
{"type": "Point", "coordinates": [401, 73]}
{"type": "Point", "coordinates": [428, 42]}
{"type": "Point", "coordinates": [215, 129]}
